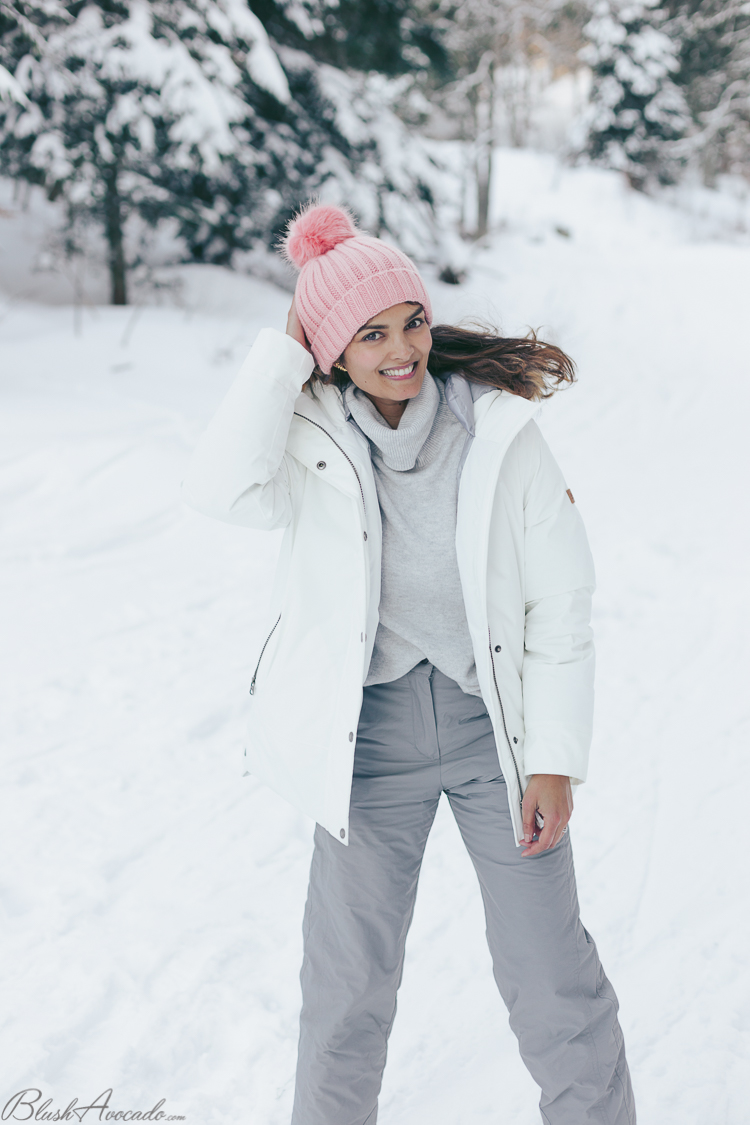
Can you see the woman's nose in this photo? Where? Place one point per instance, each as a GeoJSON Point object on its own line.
{"type": "Point", "coordinates": [400, 348]}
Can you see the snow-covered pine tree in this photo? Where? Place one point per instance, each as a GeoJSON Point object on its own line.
{"type": "Point", "coordinates": [636, 113]}
{"type": "Point", "coordinates": [179, 110]}
{"type": "Point", "coordinates": [21, 27]}
{"type": "Point", "coordinates": [127, 100]}
{"type": "Point", "coordinates": [390, 37]}
{"type": "Point", "coordinates": [713, 39]}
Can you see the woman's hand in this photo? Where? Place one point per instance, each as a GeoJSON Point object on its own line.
{"type": "Point", "coordinates": [294, 327]}
{"type": "Point", "coordinates": [549, 795]}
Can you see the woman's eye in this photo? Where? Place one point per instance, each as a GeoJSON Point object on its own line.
{"type": "Point", "coordinates": [370, 336]}
{"type": "Point", "coordinates": [416, 323]}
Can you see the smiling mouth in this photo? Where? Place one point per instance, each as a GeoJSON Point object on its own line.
{"type": "Point", "coordinates": [396, 373]}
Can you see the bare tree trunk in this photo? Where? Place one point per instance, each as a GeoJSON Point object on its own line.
{"type": "Point", "coordinates": [517, 94]}
{"type": "Point", "coordinates": [484, 144]}
{"type": "Point", "coordinates": [484, 178]}
{"type": "Point", "coordinates": [113, 230]}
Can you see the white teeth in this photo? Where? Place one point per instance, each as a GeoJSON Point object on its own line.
{"type": "Point", "coordinates": [399, 370]}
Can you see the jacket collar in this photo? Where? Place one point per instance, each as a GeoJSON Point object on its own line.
{"type": "Point", "coordinates": [483, 412]}
{"type": "Point", "coordinates": [322, 404]}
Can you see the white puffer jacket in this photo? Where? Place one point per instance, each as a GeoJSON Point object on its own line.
{"type": "Point", "coordinates": [275, 456]}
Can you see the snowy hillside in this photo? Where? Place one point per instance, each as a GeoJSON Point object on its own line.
{"type": "Point", "coordinates": [152, 898]}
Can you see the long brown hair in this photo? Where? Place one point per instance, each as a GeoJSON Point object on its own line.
{"type": "Point", "coordinates": [523, 365]}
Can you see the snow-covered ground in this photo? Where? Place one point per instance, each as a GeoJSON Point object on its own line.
{"type": "Point", "coordinates": [152, 898]}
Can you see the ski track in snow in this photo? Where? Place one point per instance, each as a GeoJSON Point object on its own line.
{"type": "Point", "coordinates": [151, 898]}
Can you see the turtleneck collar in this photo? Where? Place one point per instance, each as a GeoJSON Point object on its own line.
{"type": "Point", "coordinates": [399, 448]}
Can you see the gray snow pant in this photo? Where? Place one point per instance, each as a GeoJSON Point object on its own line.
{"type": "Point", "coordinates": [420, 736]}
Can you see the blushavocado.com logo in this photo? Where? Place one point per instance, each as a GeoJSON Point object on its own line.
{"type": "Point", "coordinates": [27, 1105]}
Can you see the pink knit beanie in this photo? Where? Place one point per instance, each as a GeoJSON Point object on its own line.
{"type": "Point", "coordinates": [345, 279]}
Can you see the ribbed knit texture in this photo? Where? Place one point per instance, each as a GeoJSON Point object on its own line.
{"type": "Point", "coordinates": [412, 443]}
{"type": "Point", "coordinates": [416, 467]}
{"type": "Point", "coordinates": [338, 292]}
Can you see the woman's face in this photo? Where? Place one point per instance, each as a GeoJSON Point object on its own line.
{"type": "Point", "coordinates": [387, 359]}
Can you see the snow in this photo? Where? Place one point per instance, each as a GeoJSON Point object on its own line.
{"type": "Point", "coordinates": [10, 89]}
{"type": "Point", "coordinates": [151, 933]}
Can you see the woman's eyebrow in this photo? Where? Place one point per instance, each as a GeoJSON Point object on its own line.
{"type": "Point", "coordinates": [372, 327]}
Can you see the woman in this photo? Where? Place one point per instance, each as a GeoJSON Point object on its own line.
{"type": "Point", "coordinates": [429, 634]}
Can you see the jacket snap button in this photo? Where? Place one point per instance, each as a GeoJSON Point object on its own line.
{"type": "Point", "coordinates": [365, 535]}
{"type": "Point", "coordinates": [342, 833]}
{"type": "Point", "coordinates": [351, 736]}
{"type": "Point", "coordinates": [498, 648]}
{"type": "Point", "coordinates": [321, 465]}
{"type": "Point", "coordinates": [515, 739]}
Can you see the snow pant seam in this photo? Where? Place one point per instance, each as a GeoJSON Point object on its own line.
{"type": "Point", "coordinates": [621, 1067]}
{"type": "Point", "coordinates": [627, 1098]}
{"type": "Point", "coordinates": [580, 989]}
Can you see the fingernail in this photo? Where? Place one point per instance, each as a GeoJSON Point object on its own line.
{"type": "Point", "coordinates": [527, 837]}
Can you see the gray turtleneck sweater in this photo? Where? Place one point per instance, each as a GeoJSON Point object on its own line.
{"type": "Point", "coordinates": [416, 470]}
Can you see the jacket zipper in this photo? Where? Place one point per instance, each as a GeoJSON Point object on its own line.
{"type": "Point", "coordinates": [257, 666]}
{"type": "Point", "coordinates": [333, 439]}
{"type": "Point", "coordinates": [505, 728]}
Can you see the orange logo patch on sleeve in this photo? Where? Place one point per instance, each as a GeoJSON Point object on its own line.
{"type": "Point", "coordinates": [570, 496]}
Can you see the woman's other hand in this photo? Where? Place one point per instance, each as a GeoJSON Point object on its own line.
{"type": "Point", "coordinates": [549, 795]}
{"type": "Point", "coordinates": [294, 327]}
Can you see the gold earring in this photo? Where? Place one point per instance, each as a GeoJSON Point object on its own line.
{"type": "Point", "coordinates": [341, 367]}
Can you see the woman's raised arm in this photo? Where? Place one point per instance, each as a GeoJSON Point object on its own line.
{"type": "Point", "coordinates": [238, 472]}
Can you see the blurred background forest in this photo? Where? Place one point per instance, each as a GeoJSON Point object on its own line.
{"type": "Point", "coordinates": [190, 130]}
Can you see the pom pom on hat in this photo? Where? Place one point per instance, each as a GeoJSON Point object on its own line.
{"type": "Point", "coordinates": [315, 231]}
